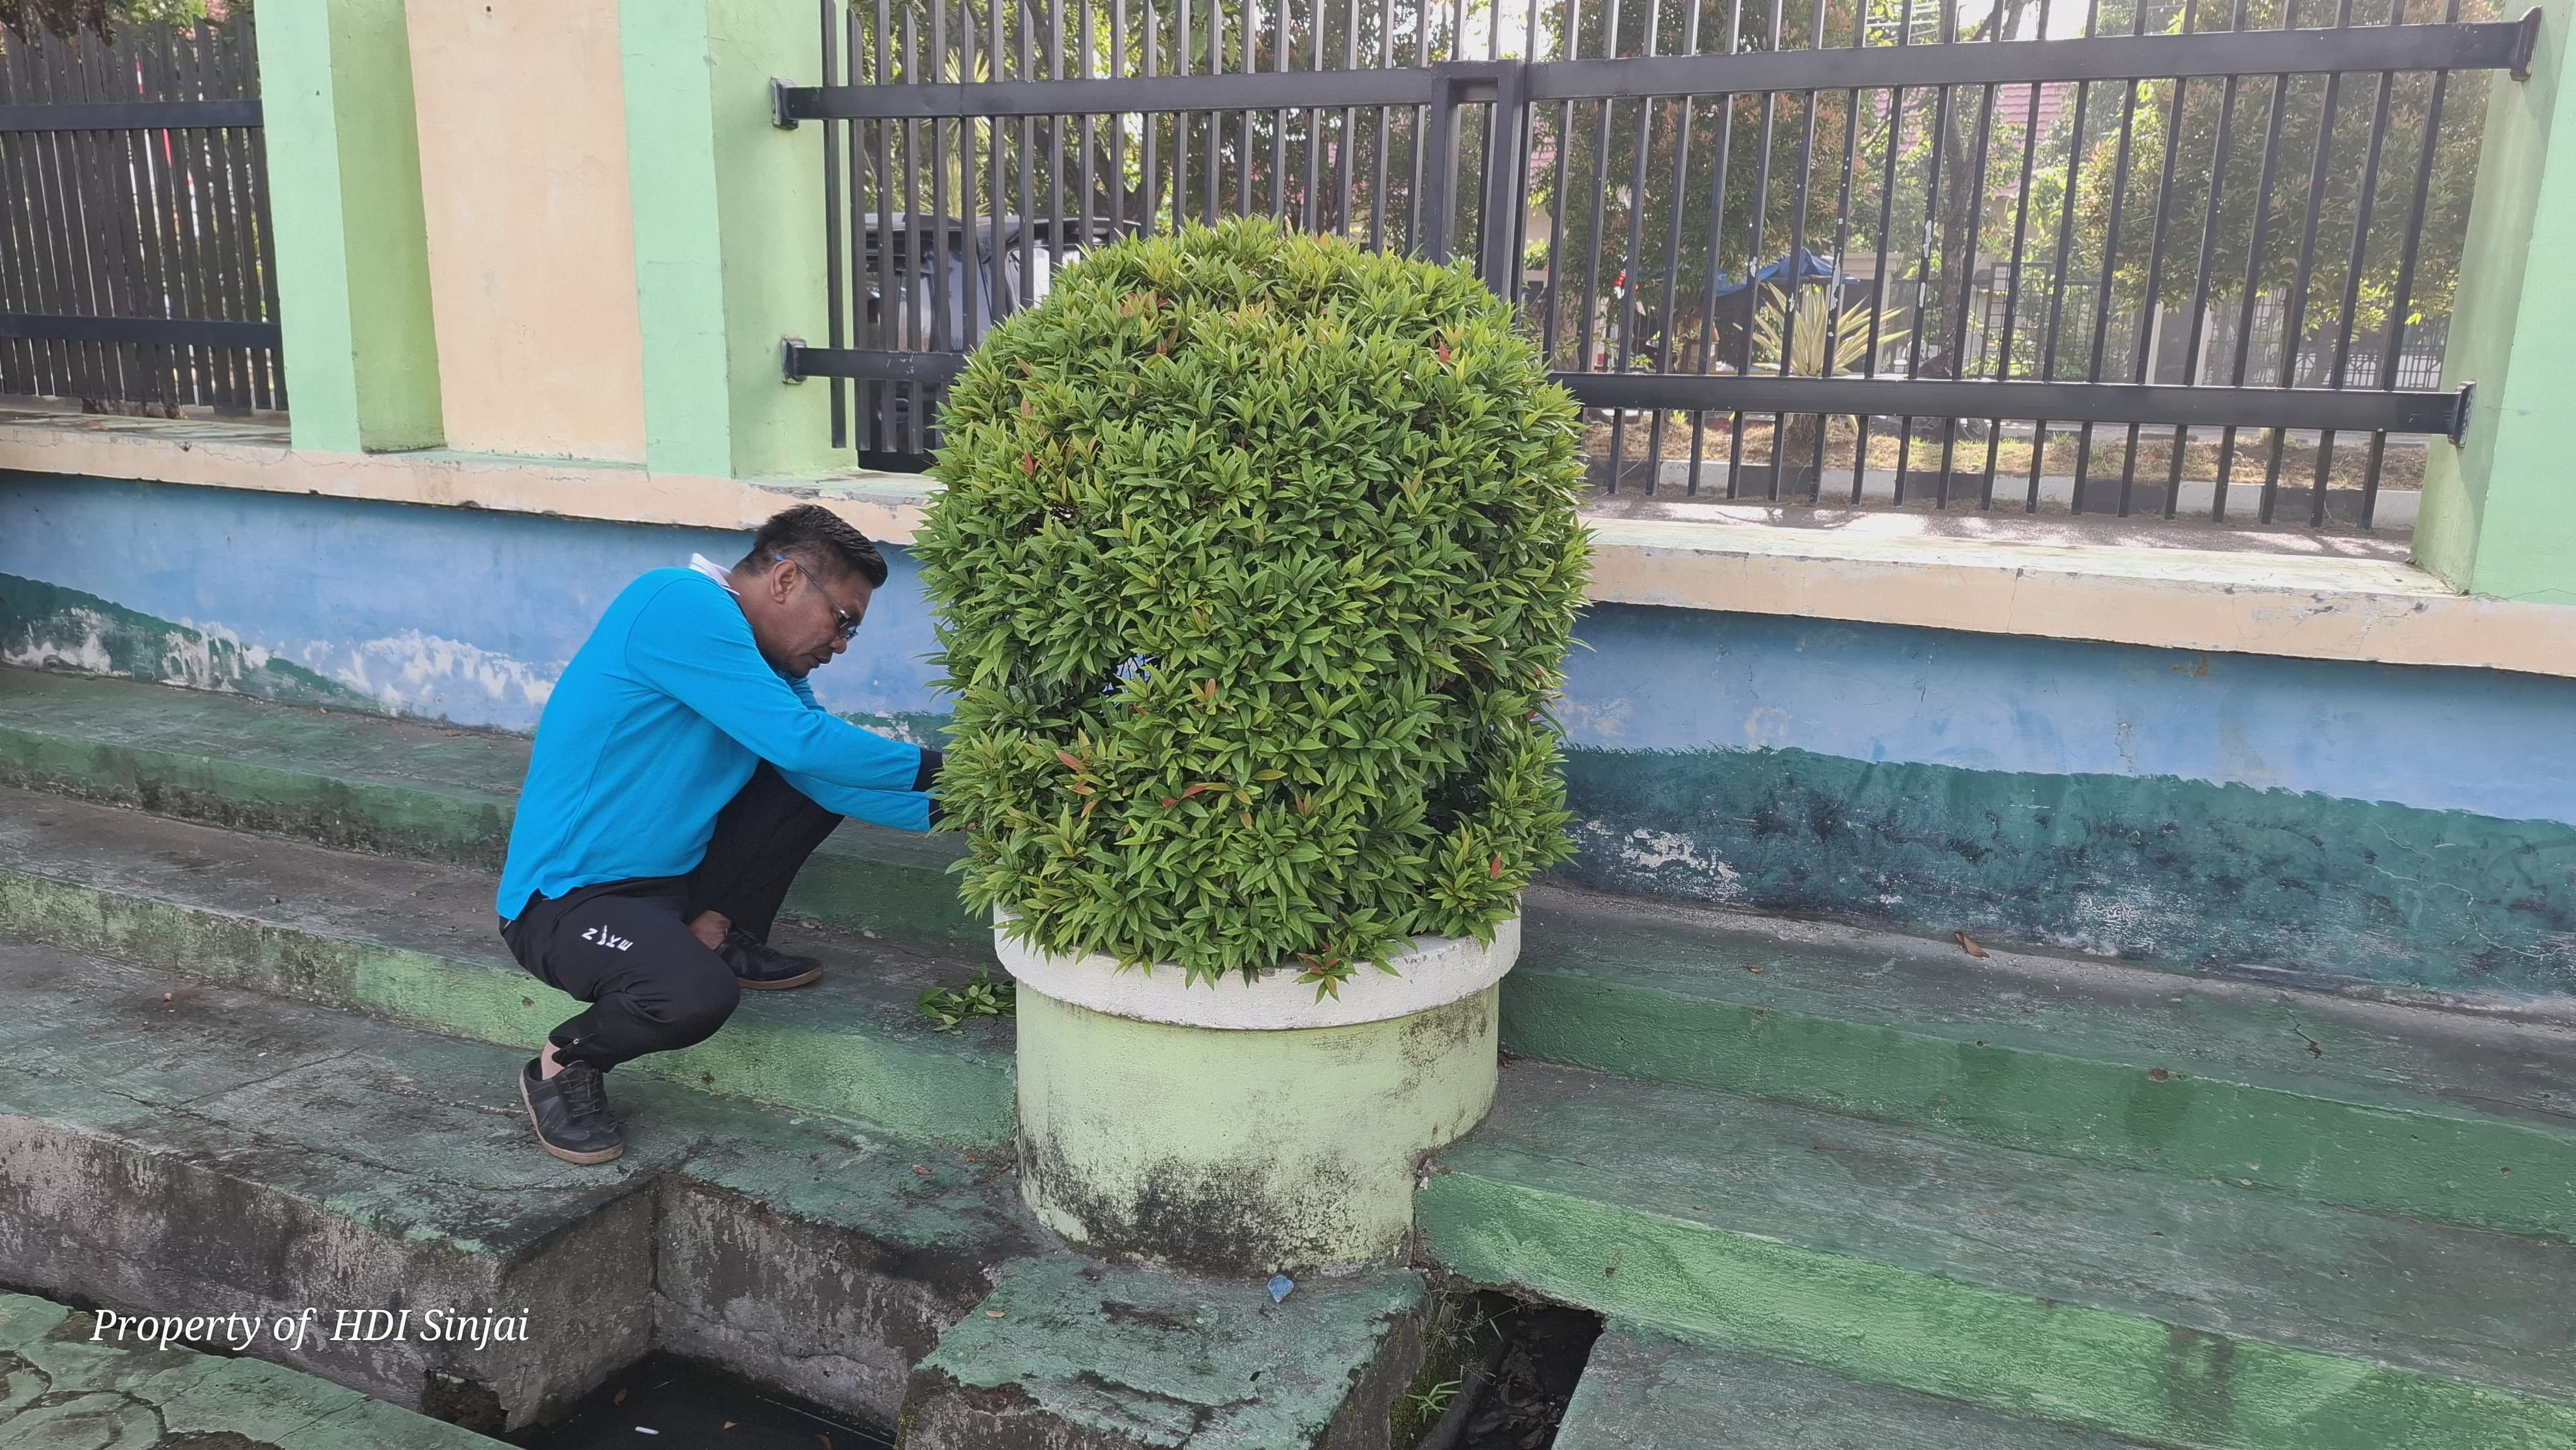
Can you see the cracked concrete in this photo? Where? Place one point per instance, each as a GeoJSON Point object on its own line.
{"type": "Point", "coordinates": [1069, 1355]}
{"type": "Point", "coordinates": [60, 1388]}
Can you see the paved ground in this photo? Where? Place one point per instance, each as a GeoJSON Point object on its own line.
{"type": "Point", "coordinates": [63, 1389]}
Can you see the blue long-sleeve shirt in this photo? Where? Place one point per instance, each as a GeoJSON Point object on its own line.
{"type": "Point", "coordinates": [659, 721]}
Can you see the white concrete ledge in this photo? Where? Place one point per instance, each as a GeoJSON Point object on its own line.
{"type": "Point", "coordinates": [1434, 972]}
{"type": "Point", "coordinates": [883, 506]}
{"type": "Point", "coordinates": [2241, 603]}
{"type": "Point", "coordinates": [2311, 607]}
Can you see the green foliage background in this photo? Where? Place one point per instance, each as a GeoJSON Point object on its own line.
{"type": "Point", "coordinates": [1255, 569]}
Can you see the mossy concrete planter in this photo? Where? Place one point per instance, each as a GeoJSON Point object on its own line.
{"type": "Point", "coordinates": [1247, 1127]}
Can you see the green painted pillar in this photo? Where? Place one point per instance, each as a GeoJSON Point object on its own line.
{"type": "Point", "coordinates": [352, 247]}
{"type": "Point", "coordinates": [2498, 515]}
{"type": "Point", "coordinates": [728, 234]}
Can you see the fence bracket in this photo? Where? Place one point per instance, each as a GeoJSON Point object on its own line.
{"type": "Point", "coordinates": [791, 359]}
{"type": "Point", "coordinates": [783, 116]}
{"type": "Point", "coordinates": [2526, 43]}
{"type": "Point", "coordinates": [2459, 429]}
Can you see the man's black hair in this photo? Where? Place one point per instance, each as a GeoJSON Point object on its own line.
{"type": "Point", "coordinates": [822, 541]}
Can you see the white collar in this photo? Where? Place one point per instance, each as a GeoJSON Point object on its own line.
{"type": "Point", "coordinates": [713, 570]}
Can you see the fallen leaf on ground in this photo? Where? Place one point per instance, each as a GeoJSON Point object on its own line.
{"type": "Point", "coordinates": [1969, 942]}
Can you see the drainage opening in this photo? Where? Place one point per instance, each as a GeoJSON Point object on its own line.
{"type": "Point", "coordinates": [1496, 1372]}
{"type": "Point", "coordinates": [668, 1403]}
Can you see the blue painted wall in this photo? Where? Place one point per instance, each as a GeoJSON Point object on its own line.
{"type": "Point", "coordinates": [454, 614]}
{"type": "Point", "coordinates": [2398, 825]}
{"type": "Point", "coordinates": [2443, 739]}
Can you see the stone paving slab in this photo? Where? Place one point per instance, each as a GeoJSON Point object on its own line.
{"type": "Point", "coordinates": [1070, 1355]}
{"type": "Point", "coordinates": [59, 1390]}
{"type": "Point", "coordinates": [417, 943]}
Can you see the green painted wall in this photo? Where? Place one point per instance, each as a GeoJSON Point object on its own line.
{"type": "Point", "coordinates": [2158, 869]}
{"type": "Point", "coordinates": [2498, 515]}
{"type": "Point", "coordinates": [352, 245]}
{"type": "Point", "coordinates": [728, 235]}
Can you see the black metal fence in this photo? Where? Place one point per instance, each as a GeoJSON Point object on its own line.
{"type": "Point", "coordinates": [2133, 256]}
{"type": "Point", "coordinates": [137, 272]}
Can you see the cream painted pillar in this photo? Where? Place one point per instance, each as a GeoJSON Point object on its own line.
{"type": "Point", "coordinates": [523, 161]}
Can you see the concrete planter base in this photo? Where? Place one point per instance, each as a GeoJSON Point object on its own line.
{"type": "Point", "coordinates": [1271, 1132]}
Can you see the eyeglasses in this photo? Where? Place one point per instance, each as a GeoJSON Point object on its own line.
{"type": "Point", "coordinates": [844, 623]}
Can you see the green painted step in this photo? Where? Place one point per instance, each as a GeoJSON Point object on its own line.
{"type": "Point", "coordinates": [59, 1389]}
{"type": "Point", "coordinates": [396, 787]}
{"type": "Point", "coordinates": [2372, 1104]}
{"type": "Point", "coordinates": [168, 1146]}
{"type": "Point", "coordinates": [1643, 1391]}
{"type": "Point", "coordinates": [2408, 1109]}
{"type": "Point", "coordinates": [2179, 1312]}
{"type": "Point", "coordinates": [418, 943]}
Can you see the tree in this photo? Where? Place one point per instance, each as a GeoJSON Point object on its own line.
{"type": "Point", "coordinates": [104, 17]}
{"type": "Point", "coordinates": [2346, 227]}
{"type": "Point", "coordinates": [1660, 204]}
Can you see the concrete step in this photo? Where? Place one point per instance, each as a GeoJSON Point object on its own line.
{"type": "Point", "coordinates": [2402, 1108]}
{"type": "Point", "coordinates": [172, 1147]}
{"type": "Point", "coordinates": [2179, 1312]}
{"type": "Point", "coordinates": [395, 787]}
{"type": "Point", "coordinates": [417, 943]}
{"type": "Point", "coordinates": [168, 1146]}
{"type": "Point", "coordinates": [2373, 1104]}
{"type": "Point", "coordinates": [1643, 1391]}
{"type": "Point", "coordinates": [60, 1386]}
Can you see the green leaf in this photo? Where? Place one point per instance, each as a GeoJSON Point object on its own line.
{"type": "Point", "coordinates": [1249, 472]}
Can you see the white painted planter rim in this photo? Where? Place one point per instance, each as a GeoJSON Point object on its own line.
{"type": "Point", "coordinates": [1434, 972]}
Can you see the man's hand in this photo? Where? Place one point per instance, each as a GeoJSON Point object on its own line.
{"type": "Point", "coordinates": [710, 927]}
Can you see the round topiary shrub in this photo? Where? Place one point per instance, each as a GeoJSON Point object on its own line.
{"type": "Point", "coordinates": [1255, 568]}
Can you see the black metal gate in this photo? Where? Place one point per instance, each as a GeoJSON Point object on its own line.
{"type": "Point", "coordinates": [137, 272]}
{"type": "Point", "coordinates": [1924, 232]}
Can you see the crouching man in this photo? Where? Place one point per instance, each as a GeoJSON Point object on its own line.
{"type": "Point", "coordinates": [682, 773]}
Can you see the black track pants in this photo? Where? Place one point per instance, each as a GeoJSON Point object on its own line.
{"type": "Point", "coordinates": [625, 947]}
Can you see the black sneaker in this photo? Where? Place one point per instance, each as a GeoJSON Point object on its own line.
{"type": "Point", "coordinates": [764, 968]}
{"type": "Point", "coordinates": [570, 1112]}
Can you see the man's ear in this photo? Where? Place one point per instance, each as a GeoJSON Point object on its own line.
{"type": "Point", "coordinates": [783, 580]}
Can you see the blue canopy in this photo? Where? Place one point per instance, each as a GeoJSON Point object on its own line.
{"type": "Point", "coordinates": [1811, 268]}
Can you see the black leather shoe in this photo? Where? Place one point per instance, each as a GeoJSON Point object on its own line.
{"type": "Point", "coordinates": [762, 967]}
{"type": "Point", "coordinates": [570, 1112]}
